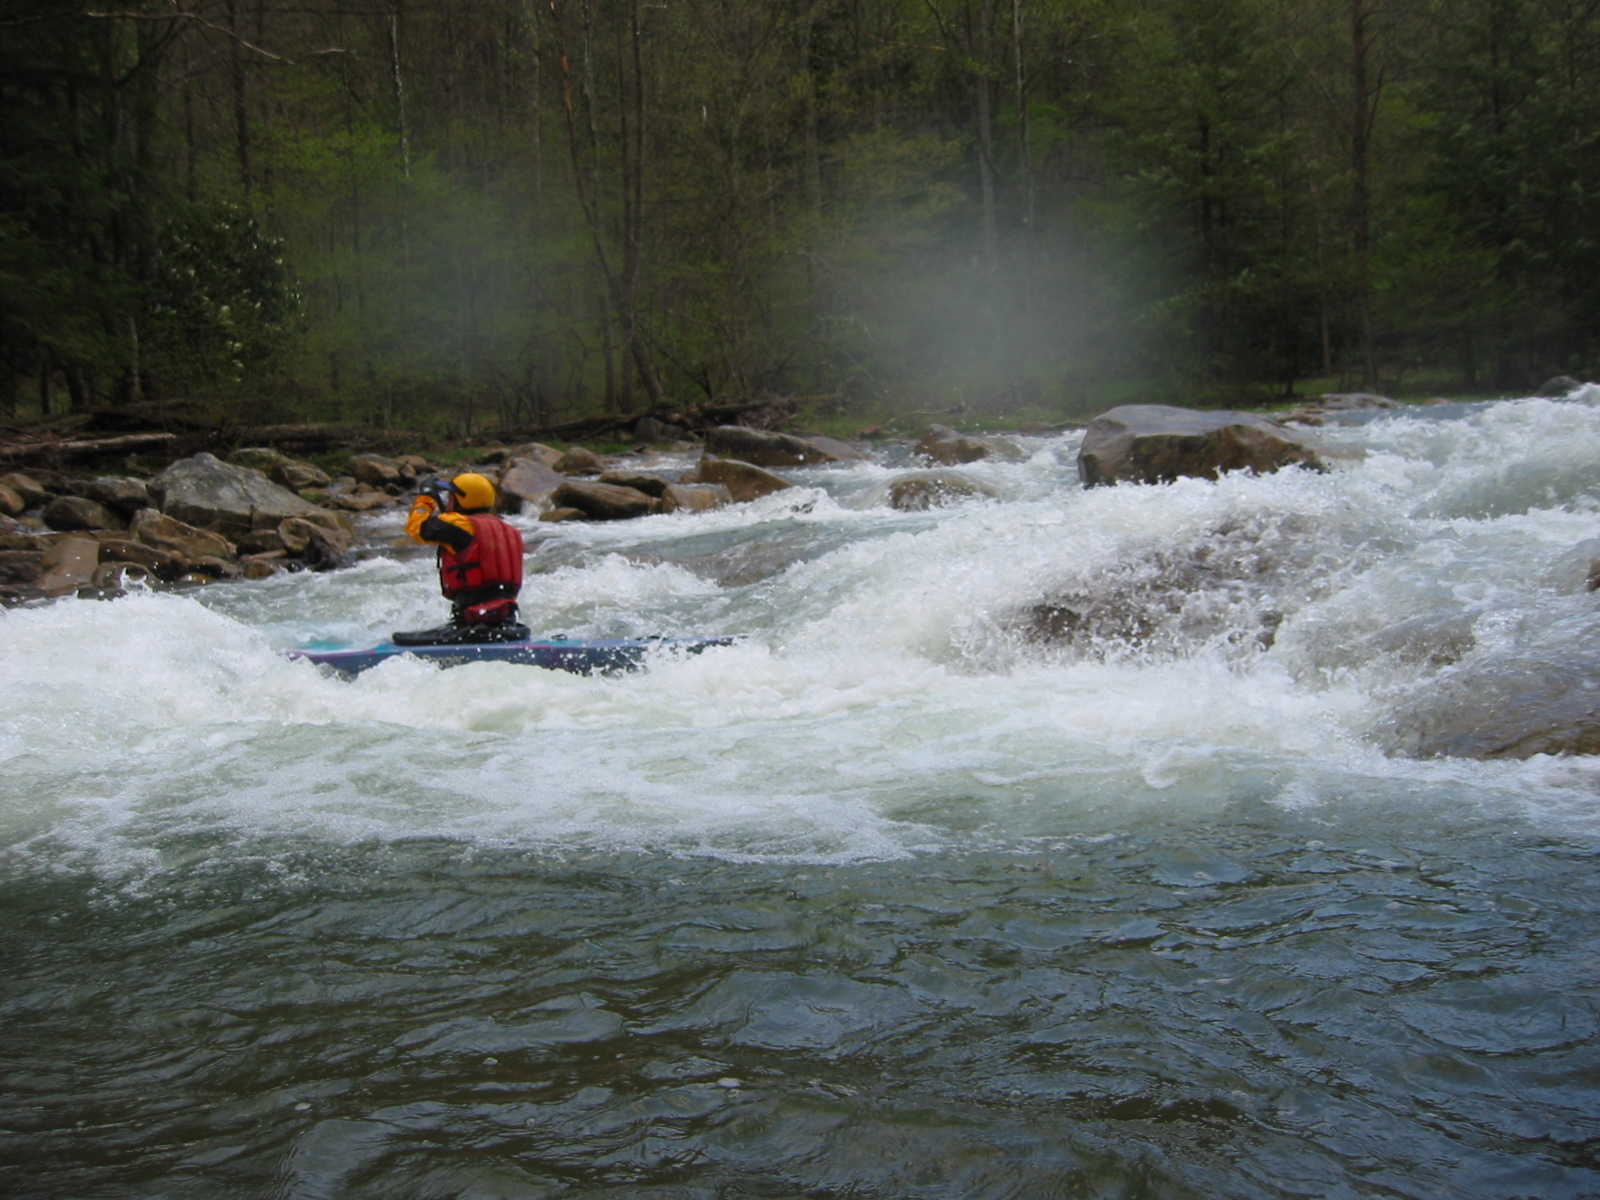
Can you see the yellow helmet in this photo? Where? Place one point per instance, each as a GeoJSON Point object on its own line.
{"type": "Point", "coordinates": [474, 493]}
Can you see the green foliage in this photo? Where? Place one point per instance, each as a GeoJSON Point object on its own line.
{"type": "Point", "coordinates": [461, 217]}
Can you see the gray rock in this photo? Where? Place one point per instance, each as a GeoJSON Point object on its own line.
{"type": "Point", "coordinates": [208, 493]}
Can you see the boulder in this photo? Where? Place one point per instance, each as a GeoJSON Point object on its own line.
{"type": "Point", "coordinates": [527, 481]}
{"type": "Point", "coordinates": [1594, 576]}
{"type": "Point", "coordinates": [205, 492]}
{"type": "Point", "coordinates": [375, 470]}
{"type": "Point", "coordinates": [536, 451]}
{"type": "Point", "coordinates": [11, 502]}
{"type": "Point", "coordinates": [120, 493]}
{"type": "Point", "coordinates": [359, 499]}
{"type": "Point", "coordinates": [697, 497]}
{"type": "Point", "coordinates": [941, 444]}
{"type": "Point", "coordinates": [1153, 443]}
{"type": "Point", "coordinates": [319, 545]}
{"type": "Point", "coordinates": [639, 481]}
{"type": "Point", "coordinates": [18, 566]}
{"type": "Point", "coordinates": [292, 473]}
{"type": "Point", "coordinates": [32, 491]}
{"type": "Point", "coordinates": [117, 549]}
{"type": "Point", "coordinates": [764, 448]}
{"type": "Point", "coordinates": [922, 490]}
{"type": "Point", "coordinates": [68, 563]}
{"type": "Point", "coordinates": [605, 501]}
{"type": "Point", "coordinates": [1557, 387]}
{"type": "Point", "coordinates": [579, 461]}
{"type": "Point", "coordinates": [744, 481]}
{"type": "Point", "coordinates": [185, 541]}
{"type": "Point", "coordinates": [80, 512]}
{"type": "Point", "coordinates": [1505, 710]}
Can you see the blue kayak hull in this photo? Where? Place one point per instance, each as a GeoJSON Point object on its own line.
{"type": "Point", "coordinates": [577, 655]}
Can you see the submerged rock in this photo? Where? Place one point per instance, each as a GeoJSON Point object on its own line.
{"type": "Point", "coordinates": [922, 490]}
{"type": "Point", "coordinates": [1512, 710]}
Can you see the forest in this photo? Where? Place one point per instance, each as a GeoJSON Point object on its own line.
{"type": "Point", "coordinates": [477, 214]}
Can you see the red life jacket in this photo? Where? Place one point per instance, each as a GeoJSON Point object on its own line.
{"type": "Point", "coordinates": [491, 562]}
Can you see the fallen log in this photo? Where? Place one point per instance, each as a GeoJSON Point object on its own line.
{"type": "Point", "coordinates": [56, 448]}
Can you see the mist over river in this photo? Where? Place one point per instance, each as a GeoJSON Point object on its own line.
{"type": "Point", "coordinates": [885, 900]}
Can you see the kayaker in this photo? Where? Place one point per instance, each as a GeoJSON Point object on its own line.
{"type": "Point", "coordinates": [480, 561]}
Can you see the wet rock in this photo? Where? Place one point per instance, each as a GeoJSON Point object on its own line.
{"type": "Point", "coordinates": [68, 563]}
{"type": "Point", "coordinates": [605, 501]}
{"type": "Point", "coordinates": [764, 448]}
{"type": "Point", "coordinates": [79, 513]}
{"type": "Point", "coordinates": [744, 481]}
{"type": "Point", "coordinates": [1594, 576]}
{"type": "Point", "coordinates": [697, 497]}
{"type": "Point", "coordinates": [1504, 710]}
{"type": "Point", "coordinates": [923, 490]}
{"type": "Point", "coordinates": [941, 444]}
{"type": "Point", "coordinates": [1557, 387]}
{"type": "Point", "coordinates": [162, 562]}
{"type": "Point", "coordinates": [1216, 590]}
{"type": "Point", "coordinates": [639, 481]}
{"type": "Point", "coordinates": [11, 502]}
{"type": "Point", "coordinates": [562, 513]}
{"type": "Point", "coordinates": [1151, 443]}
{"type": "Point", "coordinates": [118, 576]}
{"type": "Point", "coordinates": [208, 493]}
{"type": "Point", "coordinates": [319, 544]}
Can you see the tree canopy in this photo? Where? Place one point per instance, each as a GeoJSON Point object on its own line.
{"type": "Point", "coordinates": [514, 212]}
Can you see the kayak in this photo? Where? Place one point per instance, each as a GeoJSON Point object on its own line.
{"type": "Point", "coordinates": [581, 656]}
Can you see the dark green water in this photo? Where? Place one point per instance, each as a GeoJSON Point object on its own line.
{"type": "Point", "coordinates": [1235, 1011]}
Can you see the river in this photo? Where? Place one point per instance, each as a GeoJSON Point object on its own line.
{"type": "Point", "coordinates": [885, 900]}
